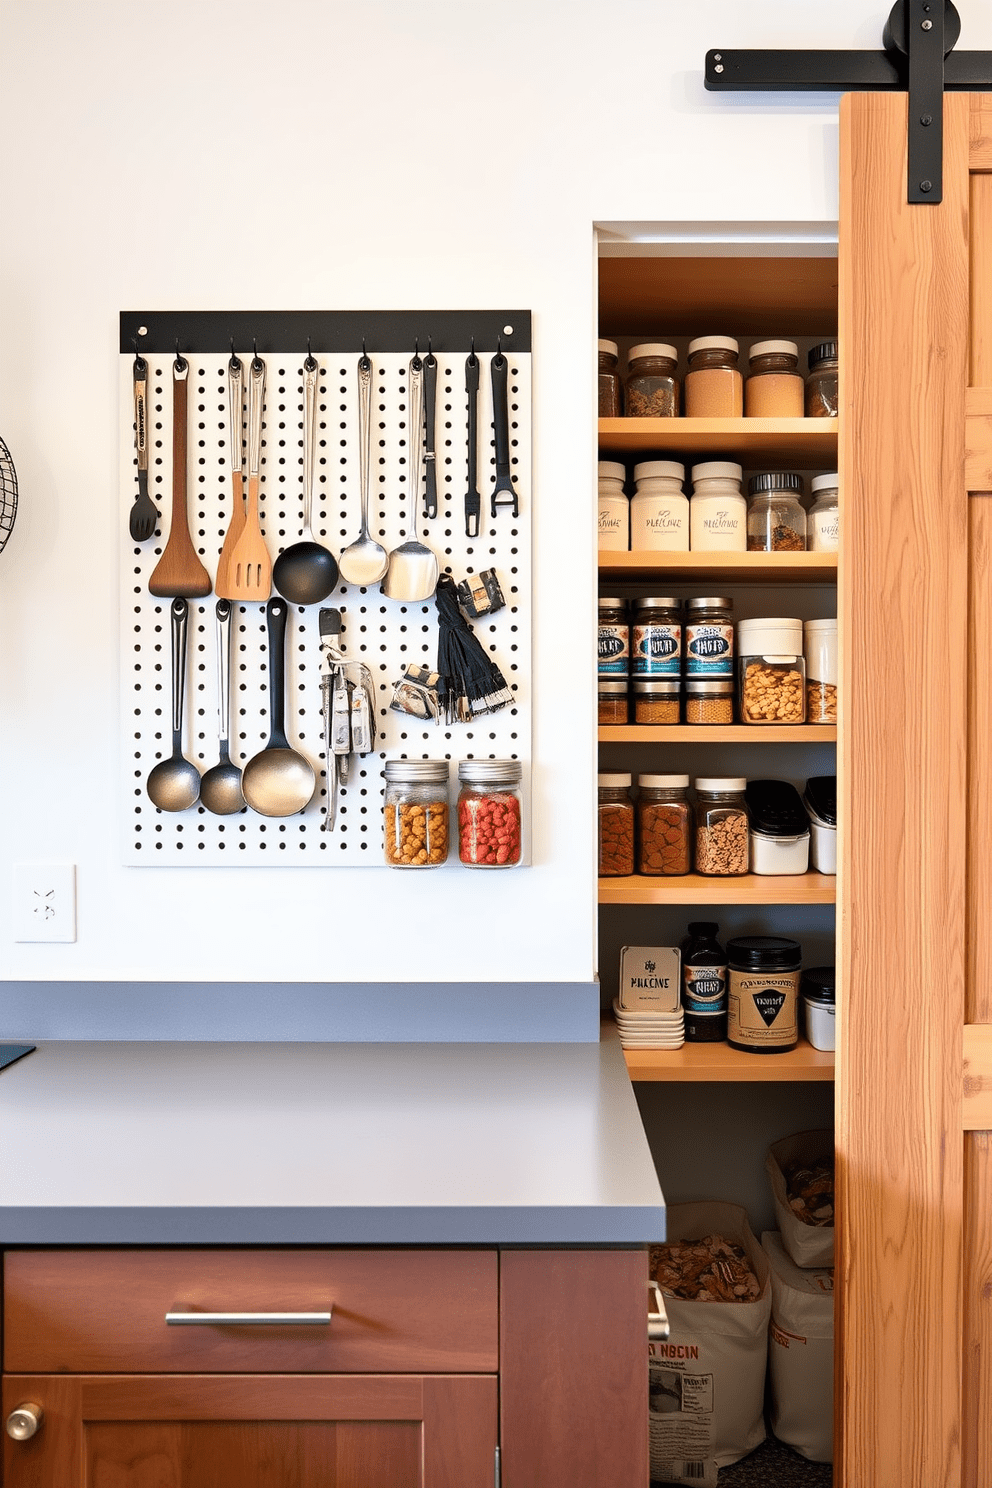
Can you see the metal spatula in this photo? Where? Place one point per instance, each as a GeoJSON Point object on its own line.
{"type": "Point", "coordinates": [413, 568]}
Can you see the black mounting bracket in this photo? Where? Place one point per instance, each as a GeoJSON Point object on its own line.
{"type": "Point", "coordinates": [919, 58]}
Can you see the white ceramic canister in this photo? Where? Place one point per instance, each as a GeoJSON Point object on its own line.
{"type": "Point", "coordinates": [718, 510]}
{"type": "Point", "coordinates": [659, 510]}
{"type": "Point", "coordinates": [822, 519]}
{"type": "Point", "coordinates": [817, 990]}
{"type": "Point", "coordinates": [614, 508]}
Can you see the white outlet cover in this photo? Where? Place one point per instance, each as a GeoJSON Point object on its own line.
{"type": "Point", "coordinates": [44, 901]}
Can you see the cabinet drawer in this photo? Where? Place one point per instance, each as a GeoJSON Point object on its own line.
{"type": "Point", "coordinates": [92, 1312]}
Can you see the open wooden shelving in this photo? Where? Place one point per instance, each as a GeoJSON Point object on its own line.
{"type": "Point", "coordinates": [808, 444]}
{"type": "Point", "coordinates": [720, 733]}
{"type": "Point", "coordinates": [705, 888]}
{"type": "Point", "coordinates": [691, 568]}
{"type": "Point", "coordinates": [721, 1062]}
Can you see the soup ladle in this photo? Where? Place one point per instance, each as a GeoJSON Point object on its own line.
{"type": "Point", "coordinates": [174, 783]}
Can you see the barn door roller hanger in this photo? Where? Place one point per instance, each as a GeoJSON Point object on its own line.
{"type": "Point", "coordinates": [919, 58]}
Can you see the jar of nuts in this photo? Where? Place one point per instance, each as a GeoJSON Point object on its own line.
{"type": "Point", "coordinates": [771, 671]}
{"type": "Point", "coordinates": [416, 813]}
{"type": "Point", "coordinates": [776, 523]}
{"type": "Point", "coordinates": [709, 700]}
{"type": "Point", "coordinates": [721, 827]}
{"type": "Point", "coordinates": [820, 650]}
{"type": "Point", "coordinates": [664, 824]}
{"type": "Point", "coordinates": [652, 388]}
{"type": "Point", "coordinates": [656, 699]}
{"type": "Point", "coordinates": [616, 827]}
{"type": "Point", "coordinates": [489, 812]}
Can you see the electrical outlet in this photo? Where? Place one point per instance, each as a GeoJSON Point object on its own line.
{"type": "Point", "coordinates": [44, 900]}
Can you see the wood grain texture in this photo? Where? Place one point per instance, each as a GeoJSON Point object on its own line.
{"type": "Point", "coordinates": [976, 1111]}
{"type": "Point", "coordinates": [700, 567]}
{"type": "Point", "coordinates": [904, 333]}
{"type": "Point", "coordinates": [703, 888]}
{"type": "Point", "coordinates": [744, 296]}
{"type": "Point", "coordinates": [574, 1369]}
{"type": "Point", "coordinates": [461, 1430]}
{"type": "Point", "coordinates": [91, 1311]}
{"type": "Point", "coordinates": [978, 1003]}
{"type": "Point", "coordinates": [720, 1062]}
{"type": "Point", "coordinates": [980, 133]}
{"type": "Point", "coordinates": [799, 443]}
{"type": "Point", "coordinates": [976, 1425]}
{"type": "Point", "coordinates": [55, 1454]}
{"type": "Point", "coordinates": [980, 294]}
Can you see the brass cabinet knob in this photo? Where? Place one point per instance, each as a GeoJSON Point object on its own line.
{"type": "Point", "coordinates": [23, 1422]}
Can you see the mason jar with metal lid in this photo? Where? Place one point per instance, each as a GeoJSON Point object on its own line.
{"type": "Point", "coordinates": [709, 637]}
{"type": "Point", "coordinates": [612, 700]}
{"type": "Point", "coordinates": [776, 522]}
{"type": "Point", "coordinates": [656, 637]}
{"type": "Point", "coordinates": [709, 700]}
{"type": "Point", "coordinates": [614, 638]}
{"type": "Point", "coordinates": [656, 699]}
{"type": "Point", "coordinates": [763, 993]}
{"type": "Point", "coordinates": [416, 813]}
{"type": "Point", "coordinates": [822, 400]}
{"type": "Point", "coordinates": [489, 812]}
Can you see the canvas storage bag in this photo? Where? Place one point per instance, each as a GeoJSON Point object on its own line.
{"type": "Point", "coordinates": [801, 1353]}
{"type": "Point", "coordinates": [707, 1380]}
{"type": "Point", "coordinates": [808, 1245]}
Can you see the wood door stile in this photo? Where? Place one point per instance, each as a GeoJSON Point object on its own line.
{"type": "Point", "coordinates": [903, 274]}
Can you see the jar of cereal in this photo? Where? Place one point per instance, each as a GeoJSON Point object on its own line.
{"type": "Point", "coordinates": [772, 673]}
{"type": "Point", "coordinates": [721, 827]}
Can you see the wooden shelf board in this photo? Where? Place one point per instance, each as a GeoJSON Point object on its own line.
{"type": "Point", "coordinates": [721, 1062]}
{"type": "Point", "coordinates": [702, 888]}
{"type": "Point", "coordinates": [729, 733]}
{"type": "Point", "coordinates": [753, 568]}
{"type": "Point", "coordinates": [743, 296]}
{"type": "Point", "coordinates": [810, 444]}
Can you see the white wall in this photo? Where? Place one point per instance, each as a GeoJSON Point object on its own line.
{"type": "Point", "coordinates": [318, 154]}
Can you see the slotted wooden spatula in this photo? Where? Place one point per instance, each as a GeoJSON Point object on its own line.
{"type": "Point", "coordinates": [250, 570]}
{"type": "Point", "coordinates": [222, 583]}
{"type": "Point", "coordinates": [179, 574]}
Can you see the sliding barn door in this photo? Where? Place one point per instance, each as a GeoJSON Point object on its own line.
{"type": "Point", "coordinates": [915, 765]}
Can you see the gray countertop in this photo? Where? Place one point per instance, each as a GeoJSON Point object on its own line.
{"type": "Point", "coordinates": [347, 1144]}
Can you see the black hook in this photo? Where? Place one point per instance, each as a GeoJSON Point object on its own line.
{"type": "Point", "coordinates": [256, 360]}
{"type": "Point", "coordinates": [310, 365]}
{"type": "Point", "coordinates": [416, 347]}
{"type": "Point", "coordinates": [180, 359]}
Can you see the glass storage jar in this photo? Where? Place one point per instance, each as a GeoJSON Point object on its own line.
{"type": "Point", "coordinates": [721, 827]}
{"type": "Point", "coordinates": [614, 638]}
{"type": "Point", "coordinates": [656, 699]}
{"type": "Point", "coordinates": [820, 652]}
{"type": "Point", "coordinates": [709, 700]}
{"type": "Point", "coordinates": [612, 700]}
{"type": "Point", "coordinates": [771, 671]}
{"type": "Point", "coordinates": [823, 517]}
{"type": "Point", "coordinates": [664, 824]}
{"type": "Point", "coordinates": [774, 389]}
{"type": "Point", "coordinates": [718, 510]}
{"type": "Point", "coordinates": [709, 637]}
{"type": "Point", "coordinates": [821, 384]}
{"type": "Point", "coordinates": [614, 508]}
{"type": "Point", "coordinates": [659, 511]}
{"type": "Point", "coordinates": [610, 395]}
{"type": "Point", "coordinates": [489, 812]}
{"type": "Point", "coordinates": [652, 388]}
{"type": "Point", "coordinates": [616, 827]}
{"type": "Point", "coordinates": [656, 637]}
{"type": "Point", "coordinates": [714, 387]}
{"type": "Point", "coordinates": [776, 522]}
{"type": "Point", "coordinates": [416, 813]}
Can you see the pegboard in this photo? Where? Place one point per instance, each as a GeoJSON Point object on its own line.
{"type": "Point", "coordinates": [386, 634]}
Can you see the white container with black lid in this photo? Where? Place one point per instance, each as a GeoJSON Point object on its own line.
{"type": "Point", "coordinates": [817, 988]}
{"type": "Point", "coordinates": [820, 801]}
{"type": "Point", "coordinates": [779, 827]}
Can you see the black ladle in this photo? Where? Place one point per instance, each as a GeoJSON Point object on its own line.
{"type": "Point", "coordinates": [306, 573]}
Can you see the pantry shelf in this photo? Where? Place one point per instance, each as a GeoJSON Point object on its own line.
{"type": "Point", "coordinates": [721, 1062]}
{"type": "Point", "coordinates": [702, 888]}
{"type": "Point", "coordinates": [807, 444]}
{"type": "Point", "coordinates": [729, 733]}
{"type": "Point", "coordinates": [688, 568]}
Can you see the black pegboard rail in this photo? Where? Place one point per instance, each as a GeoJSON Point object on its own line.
{"type": "Point", "coordinates": [200, 332]}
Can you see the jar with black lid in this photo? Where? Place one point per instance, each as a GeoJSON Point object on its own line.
{"type": "Point", "coordinates": [656, 637]}
{"type": "Point", "coordinates": [610, 395]}
{"type": "Point", "coordinates": [614, 638]}
{"type": "Point", "coordinates": [652, 388]}
{"type": "Point", "coordinates": [763, 993]}
{"type": "Point", "coordinates": [822, 399]}
{"type": "Point", "coordinates": [776, 522]}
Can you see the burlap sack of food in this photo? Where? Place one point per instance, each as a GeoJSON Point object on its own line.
{"type": "Point", "coordinates": [801, 1353]}
{"type": "Point", "coordinates": [707, 1380]}
{"type": "Point", "coordinates": [807, 1244]}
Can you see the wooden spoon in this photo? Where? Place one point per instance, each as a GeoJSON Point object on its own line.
{"type": "Point", "coordinates": [250, 570]}
{"type": "Point", "coordinates": [179, 574]}
{"type": "Point", "coordinates": [222, 583]}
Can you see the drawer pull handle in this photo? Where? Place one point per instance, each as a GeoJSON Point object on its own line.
{"type": "Point", "coordinates": [658, 1325]}
{"type": "Point", "coordinates": [23, 1422]}
{"type": "Point", "coordinates": [249, 1319]}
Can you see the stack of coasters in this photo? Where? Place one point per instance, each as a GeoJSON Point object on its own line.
{"type": "Point", "coordinates": [648, 1010]}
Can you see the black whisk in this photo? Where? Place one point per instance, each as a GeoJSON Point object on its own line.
{"type": "Point", "coordinates": [471, 683]}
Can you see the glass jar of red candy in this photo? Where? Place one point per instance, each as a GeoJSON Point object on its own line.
{"type": "Point", "coordinates": [489, 813]}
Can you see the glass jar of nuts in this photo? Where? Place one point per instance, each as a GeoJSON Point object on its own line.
{"type": "Point", "coordinates": [416, 813]}
{"type": "Point", "coordinates": [772, 674]}
{"type": "Point", "coordinates": [776, 523]}
{"type": "Point", "coordinates": [616, 827]}
{"type": "Point", "coordinates": [652, 388]}
{"type": "Point", "coordinates": [721, 827]}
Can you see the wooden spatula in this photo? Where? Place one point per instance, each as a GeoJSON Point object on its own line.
{"type": "Point", "coordinates": [250, 570]}
{"type": "Point", "coordinates": [236, 526]}
{"type": "Point", "coordinates": [179, 574]}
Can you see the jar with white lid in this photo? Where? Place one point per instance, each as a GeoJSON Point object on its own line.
{"type": "Point", "coordinates": [772, 675]}
{"type": "Point", "coordinates": [774, 389]}
{"type": "Point", "coordinates": [721, 826]}
{"type": "Point", "coordinates": [776, 522]}
{"type": "Point", "coordinates": [717, 510]}
{"type": "Point", "coordinates": [659, 510]}
{"type": "Point", "coordinates": [664, 825]}
{"type": "Point", "coordinates": [823, 517]}
{"type": "Point", "coordinates": [820, 652]}
{"type": "Point", "coordinates": [652, 388]}
{"type": "Point", "coordinates": [714, 387]}
{"type": "Point", "coordinates": [416, 813]}
{"type": "Point", "coordinates": [610, 395]}
{"type": "Point", "coordinates": [614, 508]}
{"type": "Point", "coordinates": [615, 826]}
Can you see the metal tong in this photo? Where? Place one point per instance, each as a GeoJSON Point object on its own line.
{"type": "Point", "coordinates": [348, 708]}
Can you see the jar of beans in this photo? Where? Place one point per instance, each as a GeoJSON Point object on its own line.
{"type": "Point", "coordinates": [416, 813]}
{"type": "Point", "coordinates": [721, 827]}
{"type": "Point", "coordinates": [489, 813]}
{"type": "Point", "coordinates": [610, 396]}
{"type": "Point", "coordinates": [772, 671]}
{"type": "Point", "coordinates": [709, 700]}
{"type": "Point", "coordinates": [776, 522]}
{"type": "Point", "coordinates": [664, 824]}
{"type": "Point", "coordinates": [612, 700]}
{"type": "Point", "coordinates": [821, 385]}
{"type": "Point", "coordinates": [656, 699]}
{"type": "Point", "coordinates": [652, 388]}
{"type": "Point", "coordinates": [616, 827]}
{"type": "Point", "coordinates": [714, 387]}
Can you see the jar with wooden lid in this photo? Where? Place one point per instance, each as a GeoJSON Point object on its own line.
{"type": "Point", "coordinates": [774, 389]}
{"type": "Point", "coordinates": [709, 700]}
{"type": "Point", "coordinates": [656, 637]}
{"type": "Point", "coordinates": [614, 508]}
{"type": "Point", "coordinates": [612, 699]}
{"type": "Point", "coordinates": [822, 399]}
{"type": "Point", "coordinates": [610, 393]}
{"type": "Point", "coordinates": [614, 638]}
{"type": "Point", "coordinates": [776, 521]}
{"type": "Point", "coordinates": [659, 511]}
{"type": "Point", "coordinates": [615, 826]}
{"type": "Point", "coordinates": [718, 509]}
{"type": "Point", "coordinates": [656, 699]}
{"type": "Point", "coordinates": [709, 637]}
{"type": "Point", "coordinates": [652, 387]}
{"type": "Point", "coordinates": [416, 813]}
{"type": "Point", "coordinates": [714, 387]}
{"type": "Point", "coordinates": [823, 517]}
{"type": "Point", "coordinates": [664, 825]}
{"type": "Point", "coordinates": [722, 846]}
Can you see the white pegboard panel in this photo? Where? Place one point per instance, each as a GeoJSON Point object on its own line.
{"type": "Point", "coordinates": [386, 634]}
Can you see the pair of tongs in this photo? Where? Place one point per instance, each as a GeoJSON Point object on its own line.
{"type": "Point", "coordinates": [348, 697]}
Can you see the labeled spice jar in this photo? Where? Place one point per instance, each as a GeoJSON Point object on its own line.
{"type": "Point", "coordinates": [652, 388]}
{"type": "Point", "coordinates": [611, 694]}
{"type": "Point", "coordinates": [709, 700]}
{"type": "Point", "coordinates": [704, 984]}
{"type": "Point", "coordinates": [656, 637]}
{"type": "Point", "coordinates": [614, 638]}
{"type": "Point", "coordinates": [659, 510]}
{"type": "Point", "coordinates": [821, 384]}
{"type": "Point", "coordinates": [772, 672]}
{"type": "Point", "coordinates": [656, 700]}
{"type": "Point", "coordinates": [610, 390]}
{"type": "Point", "coordinates": [763, 993]}
{"type": "Point", "coordinates": [718, 509]}
{"type": "Point", "coordinates": [616, 827]}
{"type": "Point", "coordinates": [664, 824]}
{"type": "Point", "coordinates": [774, 389]}
{"type": "Point", "coordinates": [709, 637]}
{"type": "Point", "coordinates": [416, 813]}
{"type": "Point", "coordinates": [714, 387]}
{"type": "Point", "coordinates": [614, 508]}
{"type": "Point", "coordinates": [823, 517]}
{"type": "Point", "coordinates": [489, 813]}
{"type": "Point", "coordinates": [776, 522]}
{"type": "Point", "coordinates": [721, 827]}
{"type": "Point", "coordinates": [820, 652]}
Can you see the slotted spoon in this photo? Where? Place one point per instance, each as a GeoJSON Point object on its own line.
{"type": "Point", "coordinates": [250, 572]}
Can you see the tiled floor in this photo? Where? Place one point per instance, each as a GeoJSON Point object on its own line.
{"type": "Point", "coordinates": [774, 1465]}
